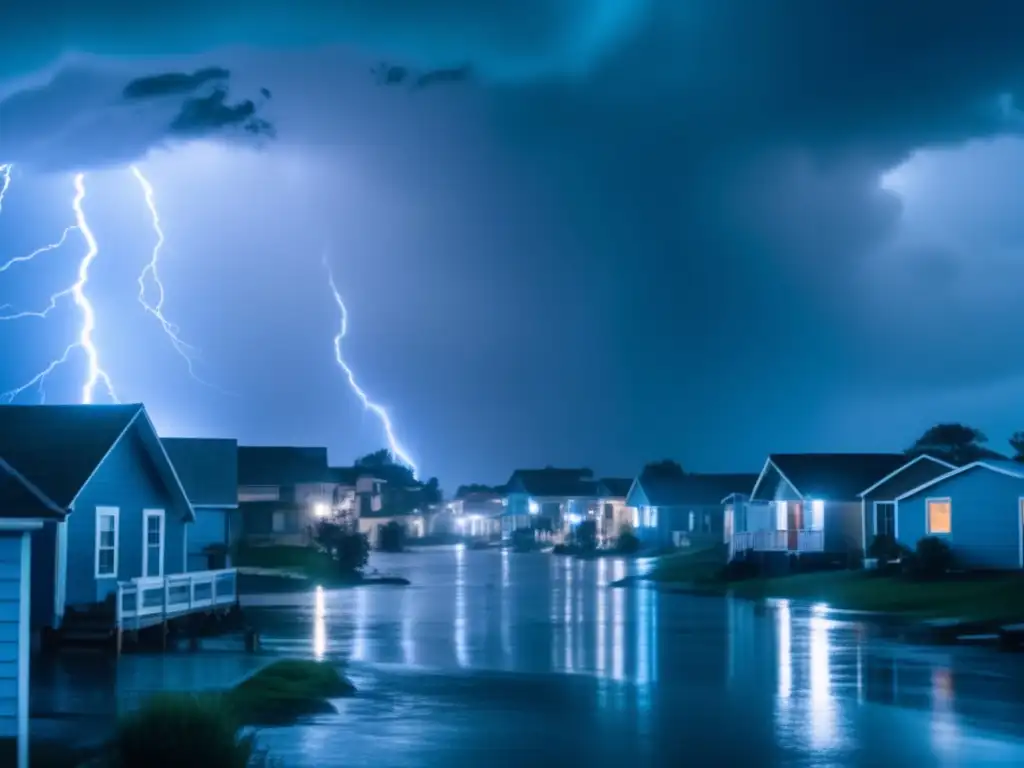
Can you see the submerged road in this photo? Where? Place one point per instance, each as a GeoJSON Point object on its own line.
{"type": "Point", "coordinates": [495, 658]}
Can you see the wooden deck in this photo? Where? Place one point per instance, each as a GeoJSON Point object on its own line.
{"type": "Point", "coordinates": [143, 602]}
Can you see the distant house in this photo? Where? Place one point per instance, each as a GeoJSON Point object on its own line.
{"type": "Point", "coordinates": [613, 512]}
{"type": "Point", "coordinates": [476, 511]}
{"type": "Point", "coordinates": [683, 510]}
{"type": "Point", "coordinates": [978, 509]}
{"type": "Point", "coordinates": [878, 501]}
{"type": "Point", "coordinates": [548, 501]}
{"type": "Point", "coordinates": [810, 502]}
{"type": "Point", "coordinates": [126, 511]}
{"type": "Point", "coordinates": [357, 491]}
{"type": "Point", "coordinates": [208, 470]}
{"type": "Point", "coordinates": [24, 510]}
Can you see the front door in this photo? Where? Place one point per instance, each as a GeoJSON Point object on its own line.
{"type": "Point", "coordinates": [794, 523]}
{"type": "Point", "coordinates": [153, 542]}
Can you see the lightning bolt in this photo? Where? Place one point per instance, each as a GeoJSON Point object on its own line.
{"type": "Point", "coordinates": [378, 410]}
{"type": "Point", "coordinates": [5, 182]}
{"type": "Point", "coordinates": [150, 270]}
{"type": "Point", "coordinates": [95, 375]}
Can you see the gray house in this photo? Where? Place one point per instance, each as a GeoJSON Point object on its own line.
{"type": "Point", "coordinates": [683, 510]}
{"type": "Point", "coordinates": [548, 501]}
{"type": "Point", "coordinates": [978, 509]}
{"type": "Point", "coordinates": [208, 470]}
{"type": "Point", "coordinates": [878, 502]}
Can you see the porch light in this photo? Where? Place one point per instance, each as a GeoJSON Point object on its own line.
{"type": "Point", "coordinates": [534, 507]}
{"type": "Point", "coordinates": [575, 519]}
{"type": "Point", "coordinates": [320, 510]}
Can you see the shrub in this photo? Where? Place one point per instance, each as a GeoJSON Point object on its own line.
{"type": "Point", "coordinates": [181, 729]}
{"type": "Point", "coordinates": [349, 549]}
{"type": "Point", "coordinates": [286, 690]}
{"type": "Point", "coordinates": [585, 535]}
{"type": "Point", "coordinates": [524, 540]}
{"type": "Point", "coordinates": [885, 548]}
{"type": "Point", "coordinates": [933, 557]}
{"type": "Point", "coordinates": [391, 537]}
{"type": "Point", "coordinates": [627, 543]}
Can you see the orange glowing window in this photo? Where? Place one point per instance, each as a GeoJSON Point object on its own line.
{"type": "Point", "coordinates": [940, 516]}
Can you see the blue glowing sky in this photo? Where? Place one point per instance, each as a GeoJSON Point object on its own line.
{"type": "Point", "coordinates": [704, 230]}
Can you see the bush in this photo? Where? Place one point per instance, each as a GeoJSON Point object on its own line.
{"type": "Point", "coordinates": [391, 537]}
{"type": "Point", "coordinates": [287, 690]}
{"type": "Point", "coordinates": [524, 540]}
{"type": "Point", "coordinates": [585, 535]}
{"type": "Point", "coordinates": [627, 543]}
{"type": "Point", "coordinates": [349, 549]}
{"type": "Point", "coordinates": [885, 548]}
{"type": "Point", "coordinates": [933, 558]}
{"type": "Point", "coordinates": [181, 729]}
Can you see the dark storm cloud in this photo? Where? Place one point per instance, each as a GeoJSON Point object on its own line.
{"type": "Point", "coordinates": [174, 83]}
{"type": "Point", "coordinates": [86, 117]}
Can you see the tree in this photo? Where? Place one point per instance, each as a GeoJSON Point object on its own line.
{"type": "Point", "coordinates": [346, 546]}
{"type": "Point", "coordinates": [1017, 443]}
{"type": "Point", "coordinates": [955, 443]}
{"type": "Point", "coordinates": [585, 535]}
{"type": "Point", "coordinates": [664, 468]}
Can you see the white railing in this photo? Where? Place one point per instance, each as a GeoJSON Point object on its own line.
{"type": "Point", "coordinates": [777, 541]}
{"type": "Point", "coordinates": [162, 596]}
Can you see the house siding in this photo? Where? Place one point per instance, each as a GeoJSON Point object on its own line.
{"type": "Point", "coordinates": [985, 518]}
{"type": "Point", "coordinates": [128, 480]}
{"type": "Point", "coordinates": [908, 479]}
{"type": "Point", "coordinates": [842, 526]}
{"type": "Point", "coordinates": [13, 635]}
{"type": "Point", "coordinates": [44, 575]}
{"type": "Point", "coordinates": [676, 519]}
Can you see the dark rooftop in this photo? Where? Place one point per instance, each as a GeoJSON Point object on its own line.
{"type": "Point", "coordinates": [282, 465]}
{"type": "Point", "coordinates": [18, 499]}
{"type": "Point", "coordinates": [836, 475]}
{"type": "Point", "coordinates": [552, 481]}
{"type": "Point", "coordinates": [664, 490]}
{"type": "Point", "coordinates": [207, 468]}
{"type": "Point", "coordinates": [614, 487]}
{"type": "Point", "coordinates": [56, 448]}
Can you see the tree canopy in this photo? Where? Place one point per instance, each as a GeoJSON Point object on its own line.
{"type": "Point", "coordinates": [664, 468]}
{"type": "Point", "coordinates": [953, 442]}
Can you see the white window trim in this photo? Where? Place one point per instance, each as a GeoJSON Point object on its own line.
{"type": "Point", "coordinates": [927, 517]}
{"type": "Point", "coordinates": [874, 515]}
{"type": "Point", "coordinates": [115, 513]}
{"type": "Point", "coordinates": [146, 515]}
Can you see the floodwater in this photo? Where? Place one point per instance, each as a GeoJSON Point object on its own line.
{"type": "Point", "coordinates": [530, 659]}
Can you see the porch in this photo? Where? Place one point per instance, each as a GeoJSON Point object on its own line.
{"type": "Point", "coordinates": [794, 541]}
{"type": "Point", "coordinates": [145, 601]}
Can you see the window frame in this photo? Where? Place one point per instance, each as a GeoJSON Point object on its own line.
{"type": "Point", "coordinates": [928, 515]}
{"type": "Point", "coordinates": [115, 514]}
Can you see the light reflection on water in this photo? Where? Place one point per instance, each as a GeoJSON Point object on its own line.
{"type": "Point", "coordinates": [502, 651]}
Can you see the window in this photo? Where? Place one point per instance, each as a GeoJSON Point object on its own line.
{"type": "Point", "coordinates": [277, 522]}
{"type": "Point", "coordinates": [609, 512]}
{"type": "Point", "coordinates": [654, 517]}
{"type": "Point", "coordinates": [817, 515]}
{"type": "Point", "coordinates": [885, 518]}
{"type": "Point", "coordinates": [636, 517]}
{"type": "Point", "coordinates": [692, 520]}
{"type": "Point", "coordinates": [940, 516]}
{"type": "Point", "coordinates": [707, 523]}
{"type": "Point", "coordinates": [153, 553]}
{"type": "Point", "coordinates": [106, 542]}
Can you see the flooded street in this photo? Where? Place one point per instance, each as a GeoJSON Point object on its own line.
{"type": "Point", "coordinates": [515, 659]}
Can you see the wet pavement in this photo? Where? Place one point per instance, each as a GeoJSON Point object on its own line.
{"type": "Point", "coordinates": [530, 659]}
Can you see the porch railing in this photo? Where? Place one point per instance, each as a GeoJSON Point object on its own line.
{"type": "Point", "coordinates": [777, 541]}
{"type": "Point", "coordinates": [158, 597]}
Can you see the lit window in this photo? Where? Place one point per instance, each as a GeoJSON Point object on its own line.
{"type": "Point", "coordinates": [781, 516]}
{"type": "Point", "coordinates": [817, 515]}
{"type": "Point", "coordinates": [654, 517]}
{"type": "Point", "coordinates": [692, 520]}
{"type": "Point", "coordinates": [636, 517]}
{"type": "Point", "coordinates": [940, 516]}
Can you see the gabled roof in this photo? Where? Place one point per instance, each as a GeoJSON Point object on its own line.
{"type": "Point", "coordinates": [207, 468]}
{"type": "Point", "coordinates": [830, 475]}
{"type": "Point", "coordinates": [20, 499]}
{"type": "Point", "coordinates": [1002, 467]}
{"type": "Point", "coordinates": [695, 488]}
{"type": "Point", "coordinates": [614, 487]}
{"type": "Point", "coordinates": [552, 481]}
{"type": "Point", "coordinates": [282, 465]}
{"type": "Point", "coordinates": [58, 448]}
{"type": "Point", "coordinates": [908, 465]}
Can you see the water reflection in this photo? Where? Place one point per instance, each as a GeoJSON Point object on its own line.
{"type": "Point", "coordinates": [319, 626]}
{"type": "Point", "coordinates": [461, 648]}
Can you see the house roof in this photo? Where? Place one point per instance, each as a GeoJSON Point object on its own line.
{"type": "Point", "coordinates": [832, 475]}
{"type": "Point", "coordinates": [20, 499]}
{"type": "Point", "coordinates": [614, 487]}
{"type": "Point", "coordinates": [58, 448]}
{"type": "Point", "coordinates": [907, 465]}
{"type": "Point", "coordinates": [697, 488]}
{"type": "Point", "coordinates": [207, 468]}
{"type": "Point", "coordinates": [282, 465]}
{"type": "Point", "coordinates": [552, 481]}
{"type": "Point", "coordinates": [1003, 467]}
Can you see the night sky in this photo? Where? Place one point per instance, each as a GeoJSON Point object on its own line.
{"type": "Point", "coordinates": [699, 229]}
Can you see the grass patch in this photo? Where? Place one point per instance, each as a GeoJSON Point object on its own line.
{"type": "Point", "coordinates": [307, 561]}
{"type": "Point", "coordinates": [697, 567]}
{"type": "Point", "coordinates": [988, 597]}
{"type": "Point", "coordinates": [287, 690]}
